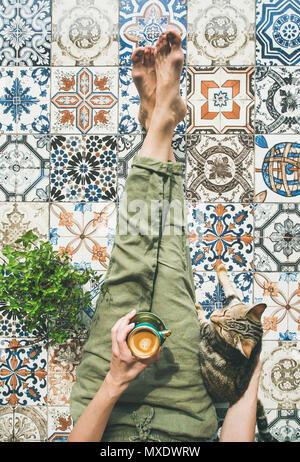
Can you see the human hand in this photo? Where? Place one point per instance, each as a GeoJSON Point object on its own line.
{"type": "Point", "coordinates": [124, 367]}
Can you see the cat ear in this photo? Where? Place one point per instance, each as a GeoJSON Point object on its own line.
{"type": "Point", "coordinates": [246, 347]}
{"type": "Point", "coordinates": [256, 311]}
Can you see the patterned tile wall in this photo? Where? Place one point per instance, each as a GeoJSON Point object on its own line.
{"type": "Point", "coordinates": [68, 134]}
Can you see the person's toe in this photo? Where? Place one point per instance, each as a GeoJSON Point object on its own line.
{"type": "Point", "coordinates": [147, 57]}
{"type": "Point", "coordinates": [138, 56]}
{"type": "Point", "coordinates": [174, 39]}
{"type": "Point", "coordinates": [164, 44]}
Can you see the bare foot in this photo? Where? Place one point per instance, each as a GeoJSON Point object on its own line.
{"type": "Point", "coordinates": [144, 77]}
{"type": "Point", "coordinates": [168, 63]}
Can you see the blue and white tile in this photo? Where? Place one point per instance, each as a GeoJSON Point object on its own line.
{"type": "Point", "coordinates": [33, 100]}
{"type": "Point", "coordinates": [143, 21]}
{"type": "Point", "coordinates": [277, 32]}
{"type": "Point", "coordinates": [32, 185]}
{"type": "Point", "coordinates": [277, 100]}
{"type": "Point", "coordinates": [210, 295]}
{"type": "Point", "coordinates": [9, 79]}
{"type": "Point", "coordinates": [284, 424]}
{"type": "Point", "coordinates": [83, 168]}
{"type": "Point", "coordinates": [25, 33]}
{"type": "Point", "coordinates": [276, 164]}
{"type": "Point", "coordinates": [221, 233]}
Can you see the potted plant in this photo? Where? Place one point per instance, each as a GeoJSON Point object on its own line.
{"type": "Point", "coordinates": [43, 290]}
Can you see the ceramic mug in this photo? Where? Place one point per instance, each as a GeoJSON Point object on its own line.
{"type": "Point", "coordinates": [147, 336]}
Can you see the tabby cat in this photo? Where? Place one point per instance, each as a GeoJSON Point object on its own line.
{"type": "Point", "coordinates": [229, 349]}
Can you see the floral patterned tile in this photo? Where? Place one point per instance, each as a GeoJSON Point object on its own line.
{"type": "Point", "coordinates": [220, 99]}
{"type": "Point", "coordinates": [222, 232]}
{"type": "Point", "coordinates": [273, 289]}
{"type": "Point", "coordinates": [30, 424]}
{"type": "Point", "coordinates": [85, 231]}
{"type": "Point", "coordinates": [17, 218]}
{"type": "Point", "coordinates": [24, 100]}
{"type": "Point", "coordinates": [23, 373]}
{"type": "Point", "coordinates": [143, 21]}
{"type": "Point", "coordinates": [8, 100]}
{"type": "Point", "coordinates": [210, 295]}
{"type": "Point", "coordinates": [83, 168]}
{"type": "Point", "coordinates": [279, 387]}
{"type": "Point", "coordinates": [84, 100]}
{"type": "Point", "coordinates": [276, 161]}
{"type": "Point", "coordinates": [220, 168]}
{"type": "Point", "coordinates": [129, 101]}
{"type": "Point", "coordinates": [221, 32]}
{"type": "Point", "coordinates": [277, 32]}
{"type": "Point", "coordinates": [84, 33]}
{"type": "Point", "coordinates": [25, 33]}
{"type": "Point", "coordinates": [277, 100]}
{"type": "Point", "coordinates": [6, 424]}
{"type": "Point", "coordinates": [60, 423]}
{"type": "Point", "coordinates": [62, 361]}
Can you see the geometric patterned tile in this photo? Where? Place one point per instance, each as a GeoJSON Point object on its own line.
{"type": "Point", "coordinates": [25, 33]}
{"type": "Point", "coordinates": [284, 425]}
{"type": "Point", "coordinates": [281, 243]}
{"type": "Point", "coordinates": [277, 99]}
{"type": "Point", "coordinates": [276, 167]}
{"type": "Point", "coordinates": [84, 100]}
{"type": "Point", "coordinates": [220, 168]}
{"type": "Point", "coordinates": [221, 32]}
{"type": "Point", "coordinates": [84, 33]}
{"type": "Point", "coordinates": [83, 168]}
{"type": "Point", "coordinates": [277, 32]}
{"type": "Point", "coordinates": [268, 219]}
{"type": "Point", "coordinates": [220, 99]}
{"type": "Point", "coordinates": [222, 232]}
{"type": "Point", "coordinates": [142, 22]}
{"type": "Point", "coordinates": [271, 255]}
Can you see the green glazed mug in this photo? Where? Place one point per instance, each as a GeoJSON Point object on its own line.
{"type": "Point", "coordinates": [147, 336]}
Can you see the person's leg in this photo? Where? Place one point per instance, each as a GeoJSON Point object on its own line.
{"type": "Point", "coordinates": [160, 68]}
{"type": "Point", "coordinates": [136, 277]}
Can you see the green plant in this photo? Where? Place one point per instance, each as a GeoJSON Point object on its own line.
{"type": "Point", "coordinates": [43, 290]}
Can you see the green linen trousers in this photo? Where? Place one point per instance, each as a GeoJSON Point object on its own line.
{"type": "Point", "coordinates": [150, 270]}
